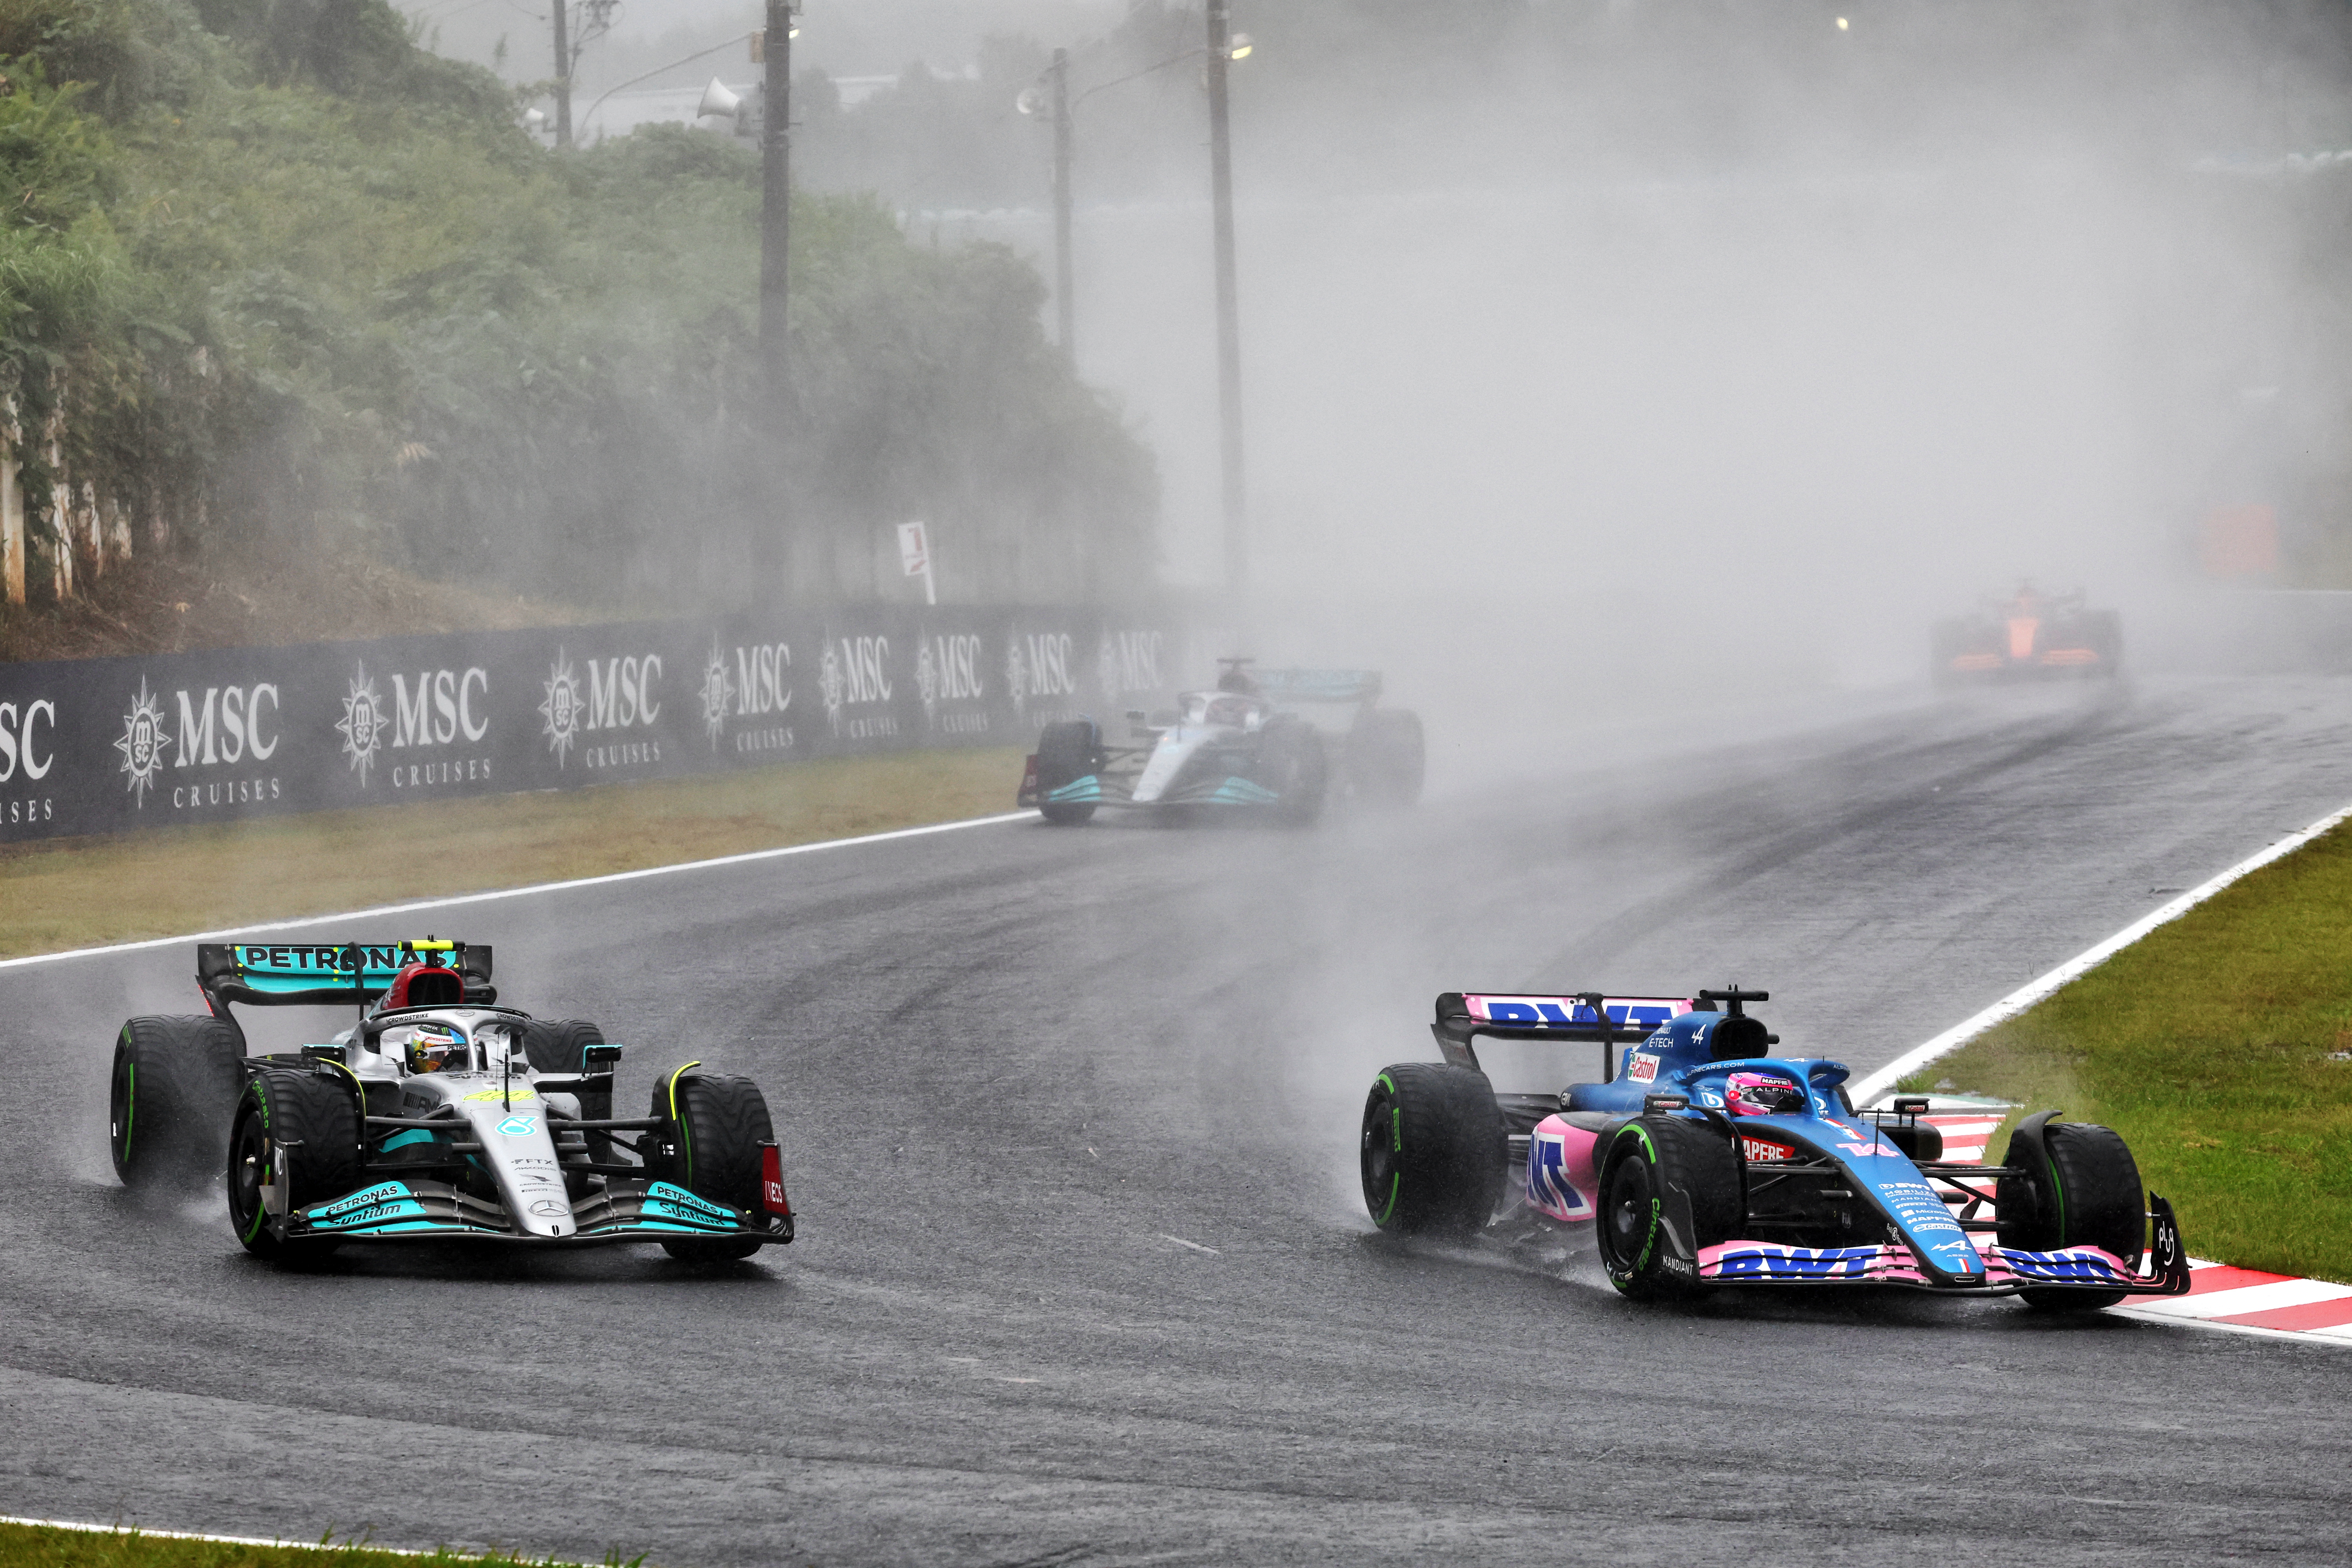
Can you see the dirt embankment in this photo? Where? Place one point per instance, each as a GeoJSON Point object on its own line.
{"type": "Point", "coordinates": [170, 603]}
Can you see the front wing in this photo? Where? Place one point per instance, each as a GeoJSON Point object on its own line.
{"type": "Point", "coordinates": [1114, 785]}
{"type": "Point", "coordinates": [416, 1209]}
{"type": "Point", "coordinates": [2008, 1270]}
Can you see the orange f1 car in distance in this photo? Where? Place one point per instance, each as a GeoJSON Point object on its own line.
{"type": "Point", "coordinates": [2027, 636]}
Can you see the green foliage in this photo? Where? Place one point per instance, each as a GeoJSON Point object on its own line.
{"type": "Point", "coordinates": [40, 1546]}
{"type": "Point", "coordinates": [329, 285]}
{"type": "Point", "coordinates": [2220, 1047]}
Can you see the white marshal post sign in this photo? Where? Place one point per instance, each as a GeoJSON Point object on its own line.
{"type": "Point", "coordinates": [914, 555]}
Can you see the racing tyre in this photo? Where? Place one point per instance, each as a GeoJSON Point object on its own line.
{"type": "Point", "coordinates": [716, 1123]}
{"type": "Point", "coordinates": [315, 1115]}
{"type": "Point", "coordinates": [1432, 1151]}
{"type": "Point", "coordinates": [560, 1044]}
{"type": "Point", "coordinates": [2085, 1193]}
{"type": "Point", "coordinates": [171, 1094]}
{"type": "Point", "coordinates": [1290, 763]}
{"type": "Point", "coordinates": [1387, 757]}
{"type": "Point", "coordinates": [1652, 1164]}
{"type": "Point", "coordinates": [1066, 753]}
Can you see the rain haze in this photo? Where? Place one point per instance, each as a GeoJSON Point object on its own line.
{"type": "Point", "coordinates": [1737, 341]}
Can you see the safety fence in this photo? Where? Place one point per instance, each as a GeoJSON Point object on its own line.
{"type": "Point", "coordinates": [116, 744]}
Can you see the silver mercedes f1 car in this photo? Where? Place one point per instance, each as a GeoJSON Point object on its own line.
{"type": "Point", "coordinates": [1249, 746]}
{"type": "Point", "coordinates": [438, 1115]}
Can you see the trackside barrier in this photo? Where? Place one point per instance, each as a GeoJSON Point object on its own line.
{"type": "Point", "coordinates": [116, 744]}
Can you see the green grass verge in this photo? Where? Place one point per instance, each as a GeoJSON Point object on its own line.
{"type": "Point", "coordinates": [2220, 1047]}
{"type": "Point", "coordinates": [79, 892]}
{"type": "Point", "coordinates": [44, 1546]}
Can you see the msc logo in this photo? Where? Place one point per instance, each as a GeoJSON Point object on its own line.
{"type": "Point", "coordinates": [241, 722]}
{"type": "Point", "coordinates": [757, 684]}
{"type": "Point", "coordinates": [947, 669]}
{"type": "Point", "coordinates": [230, 724]}
{"type": "Point", "coordinates": [17, 740]}
{"type": "Point", "coordinates": [853, 672]}
{"type": "Point", "coordinates": [361, 725]}
{"type": "Point", "coordinates": [1039, 665]}
{"type": "Point", "coordinates": [1128, 661]}
{"type": "Point", "coordinates": [620, 695]}
{"type": "Point", "coordinates": [442, 708]}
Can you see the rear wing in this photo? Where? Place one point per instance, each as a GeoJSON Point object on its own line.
{"type": "Point", "coordinates": [1589, 1017]}
{"type": "Point", "coordinates": [1319, 684]}
{"type": "Point", "coordinates": [299, 974]}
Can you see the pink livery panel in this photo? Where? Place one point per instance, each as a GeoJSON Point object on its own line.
{"type": "Point", "coordinates": [1560, 1179]}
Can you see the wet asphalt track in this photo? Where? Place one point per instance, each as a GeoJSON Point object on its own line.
{"type": "Point", "coordinates": [1012, 1065]}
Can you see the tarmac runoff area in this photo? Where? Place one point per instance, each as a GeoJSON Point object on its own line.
{"type": "Point", "coordinates": [1070, 1119]}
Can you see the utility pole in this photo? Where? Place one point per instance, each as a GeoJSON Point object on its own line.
{"type": "Point", "coordinates": [776, 206]}
{"type": "Point", "coordinates": [563, 79]}
{"type": "Point", "coordinates": [1066, 309]}
{"type": "Point", "coordinates": [1229, 331]}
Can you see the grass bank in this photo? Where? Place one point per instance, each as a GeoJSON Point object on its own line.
{"type": "Point", "coordinates": [46, 1546]}
{"type": "Point", "coordinates": [2220, 1047]}
{"type": "Point", "coordinates": [79, 892]}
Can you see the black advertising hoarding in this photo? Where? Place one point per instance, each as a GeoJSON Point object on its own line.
{"type": "Point", "coordinates": [111, 745]}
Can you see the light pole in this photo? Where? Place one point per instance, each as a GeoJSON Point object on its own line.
{"type": "Point", "coordinates": [1223, 48]}
{"type": "Point", "coordinates": [776, 206]}
{"type": "Point", "coordinates": [1229, 331]}
{"type": "Point", "coordinates": [562, 78]}
{"type": "Point", "coordinates": [1066, 309]}
{"type": "Point", "coordinates": [597, 20]}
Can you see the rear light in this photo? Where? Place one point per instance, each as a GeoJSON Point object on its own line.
{"type": "Point", "coordinates": [772, 1181]}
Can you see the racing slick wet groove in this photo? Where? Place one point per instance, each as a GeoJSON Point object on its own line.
{"type": "Point", "coordinates": [1024, 1077]}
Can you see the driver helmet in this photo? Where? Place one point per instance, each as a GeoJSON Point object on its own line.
{"type": "Point", "coordinates": [438, 1048]}
{"type": "Point", "coordinates": [1762, 1094]}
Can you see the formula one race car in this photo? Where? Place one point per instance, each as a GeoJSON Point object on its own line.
{"type": "Point", "coordinates": [438, 1115]}
{"type": "Point", "coordinates": [1244, 745]}
{"type": "Point", "coordinates": [1710, 1162]}
{"type": "Point", "coordinates": [2026, 635]}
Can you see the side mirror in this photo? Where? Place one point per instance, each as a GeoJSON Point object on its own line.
{"type": "Point", "coordinates": [600, 1059]}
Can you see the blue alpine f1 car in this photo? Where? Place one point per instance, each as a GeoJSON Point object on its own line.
{"type": "Point", "coordinates": [437, 1115]}
{"type": "Point", "coordinates": [1705, 1160]}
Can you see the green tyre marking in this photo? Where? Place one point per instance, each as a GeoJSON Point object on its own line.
{"type": "Point", "coordinates": [685, 1134]}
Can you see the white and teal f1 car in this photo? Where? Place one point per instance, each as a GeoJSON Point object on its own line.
{"type": "Point", "coordinates": [1250, 746]}
{"type": "Point", "coordinates": [437, 1116]}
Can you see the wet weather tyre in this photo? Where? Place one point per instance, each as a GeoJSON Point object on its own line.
{"type": "Point", "coordinates": [1432, 1151]}
{"type": "Point", "coordinates": [1292, 764]}
{"type": "Point", "coordinates": [717, 1123]}
{"type": "Point", "coordinates": [2085, 1193]}
{"type": "Point", "coordinates": [560, 1044]}
{"type": "Point", "coordinates": [170, 1098]}
{"type": "Point", "coordinates": [1066, 753]}
{"type": "Point", "coordinates": [315, 1118]}
{"type": "Point", "coordinates": [1648, 1162]}
{"type": "Point", "coordinates": [1387, 756]}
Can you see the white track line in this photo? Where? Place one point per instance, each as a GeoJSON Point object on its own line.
{"type": "Point", "coordinates": [229, 1539]}
{"type": "Point", "coordinates": [415, 904]}
{"type": "Point", "coordinates": [1880, 1080]}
